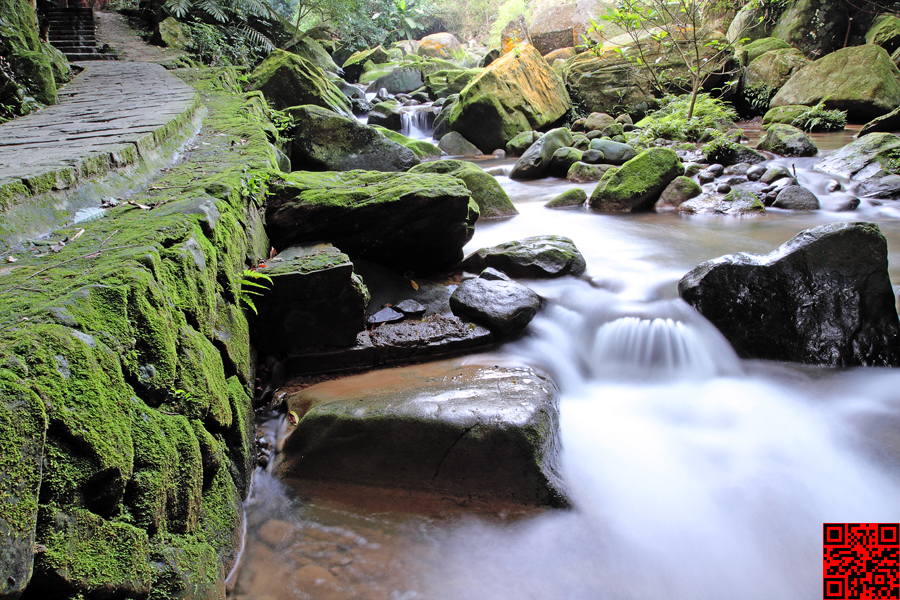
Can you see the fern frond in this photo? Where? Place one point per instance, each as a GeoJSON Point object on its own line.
{"type": "Point", "coordinates": [178, 8]}
{"type": "Point", "coordinates": [214, 9]}
{"type": "Point", "coordinates": [257, 38]}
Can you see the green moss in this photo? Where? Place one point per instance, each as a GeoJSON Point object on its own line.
{"type": "Point", "coordinates": [289, 80]}
{"type": "Point", "coordinates": [186, 567]}
{"type": "Point", "coordinates": [87, 553]}
{"type": "Point", "coordinates": [240, 439]}
{"type": "Point", "coordinates": [12, 191]}
{"type": "Point", "coordinates": [422, 149]}
{"type": "Point", "coordinates": [637, 184]}
{"type": "Point", "coordinates": [490, 197]}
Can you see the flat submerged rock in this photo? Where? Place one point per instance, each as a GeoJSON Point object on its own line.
{"type": "Point", "coordinates": [443, 427]}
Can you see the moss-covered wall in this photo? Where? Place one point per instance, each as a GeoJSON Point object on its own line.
{"type": "Point", "coordinates": [32, 63]}
{"type": "Point", "coordinates": [125, 372]}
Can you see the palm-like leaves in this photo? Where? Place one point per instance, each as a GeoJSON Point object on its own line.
{"type": "Point", "coordinates": [222, 10]}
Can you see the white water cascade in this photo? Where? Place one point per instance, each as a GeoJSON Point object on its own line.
{"type": "Point", "coordinates": [416, 121]}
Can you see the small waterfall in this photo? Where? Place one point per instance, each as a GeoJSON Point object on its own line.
{"type": "Point", "coordinates": [417, 121]}
{"type": "Point", "coordinates": [592, 335]}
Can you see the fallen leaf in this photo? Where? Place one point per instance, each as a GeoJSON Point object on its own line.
{"type": "Point", "coordinates": [77, 235]}
{"type": "Point", "coordinates": [272, 253]}
{"type": "Point", "coordinates": [415, 285]}
{"type": "Point", "coordinates": [293, 418]}
{"type": "Point", "coordinates": [11, 259]}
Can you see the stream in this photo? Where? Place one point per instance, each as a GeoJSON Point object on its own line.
{"type": "Point", "coordinates": [694, 474]}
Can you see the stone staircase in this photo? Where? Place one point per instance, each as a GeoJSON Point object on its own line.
{"type": "Point", "coordinates": [72, 32]}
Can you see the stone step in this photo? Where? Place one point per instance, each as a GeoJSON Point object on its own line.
{"type": "Point", "coordinates": [91, 56]}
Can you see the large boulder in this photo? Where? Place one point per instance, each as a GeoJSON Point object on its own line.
{"type": "Point", "coordinates": [313, 51]}
{"type": "Point", "coordinates": [314, 300]}
{"type": "Point", "coordinates": [504, 307]}
{"type": "Point", "coordinates": [862, 80]}
{"type": "Point", "coordinates": [492, 200]}
{"type": "Point", "coordinates": [553, 28]}
{"type": "Point", "coordinates": [607, 83]}
{"type": "Point", "coordinates": [787, 140]}
{"type": "Point", "coordinates": [824, 297]}
{"type": "Point", "coordinates": [751, 22]}
{"type": "Point", "coordinates": [535, 257]}
{"type": "Point", "coordinates": [614, 153]}
{"type": "Point", "coordinates": [441, 427]}
{"type": "Point", "coordinates": [456, 145]}
{"type": "Point", "coordinates": [416, 222]}
{"type": "Point", "coordinates": [286, 79]}
{"type": "Point", "coordinates": [447, 82]}
{"type": "Point", "coordinates": [30, 62]}
{"type": "Point", "coordinates": [387, 114]}
{"type": "Point", "coordinates": [439, 45]}
{"type": "Point", "coordinates": [533, 164]}
{"type": "Point", "coordinates": [774, 68]}
{"type": "Point", "coordinates": [873, 160]}
{"type": "Point", "coordinates": [815, 27]}
{"type": "Point", "coordinates": [637, 184]}
{"type": "Point", "coordinates": [324, 140]}
{"type": "Point", "coordinates": [517, 92]}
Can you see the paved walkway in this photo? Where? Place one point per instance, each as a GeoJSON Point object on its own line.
{"type": "Point", "coordinates": [106, 108]}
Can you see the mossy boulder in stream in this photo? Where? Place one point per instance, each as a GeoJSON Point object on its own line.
{"type": "Point", "coordinates": [422, 149]}
{"type": "Point", "coordinates": [487, 432]}
{"type": "Point", "coordinates": [408, 221]}
{"type": "Point", "coordinates": [324, 140]}
{"type": "Point", "coordinates": [353, 66]}
{"type": "Point", "coordinates": [287, 79]}
{"type": "Point", "coordinates": [516, 93]}
{"type": "Point", "coordinates": [862, 80]}
{"type": "Point", "coordinates": [787, 140]}
{"type": "Point", "coordinates": [491, 198]}
{"type": "Point", "coordinates": [823, 297]}
{"type": "Point", "coordinates": [638, 183]}
{"type": "Point", "coordinates": [533, 164]}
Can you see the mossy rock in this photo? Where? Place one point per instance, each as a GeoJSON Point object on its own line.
{"type": "Point", "coordinates": [533, 164]}
{"type": "Point", "coordinates": [313, 51]}
{"type": "Point", "coordinates": [774, 68]}
{"type": "Point", "coordinates": [568, 199]}
{"type": "Point", "coordinates": [88, 554]}
{"type": "Point", "coordinates": [289, 80]}
{"type": "Point", "coordinates": [455, 144]}
{"type": "Point", "coordinates": [439, 45]}
{"type": "Point", "coordinates": [386, 115]}
{"type": "Point", "coordinates": [638, 183]}
{"type": "Point", "coordinates": [33, 63]}
{"type": "Point", "coordinates": [757, 48]}
{"type": "Point", "coordinates": [787, 140]}
{"type": "Point", "coordinates": [325, 140]}
{"type": "Point", "coordinates": [783, 114]}
{"type": "Point", "coordinates": [446, 82]}
{"type": "Point", "coordinates": [406, 221]}
{"type": "Point", "coordinates": [815, 27]}
{"type": "Point", "coordinates": [582, 172]}
{"type": "Point", "coordinates": [522, 142]}
{"type": "Point", "coordinates": [400, 80]}
{"type": "Point", "coordinates": [174, 34]}
{"type": "Point", "coordinates": [422, 149]}
{"type": "Point", "coordinates": [353, 66]}
{"type": "Point", "coordinates": [862, 80]}
{"type": "Point", "coordinates": [679, 191]}
{"type": "Point", "coordinates": [517, 92]}
{"type": "Point", "coordinates": [562, 160]}
{"type": "Point", "coordinates": [492, 200]}
{"type": "Point", "coordinates": [23, 423]}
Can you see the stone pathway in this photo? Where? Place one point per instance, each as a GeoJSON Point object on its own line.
{"type": "Point", "coordinates": [106, 109]}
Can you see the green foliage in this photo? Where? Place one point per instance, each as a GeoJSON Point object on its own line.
{"type": "Point", "coordinates": [759, 96]}
{"type": "Point", "coordinates": [401, 19]}
{"type": "Point", "coordinates": [249, 286]}
{"type": "Point", "coordinates": [671, 121]}
{"type": "Point", "coordinates": [818, 118]}
{"type": "Point", "coordinates": [230, 45]}
{"type": "Point", "coordinates": [718, 147]}
{"type": "Point", "coordinates": [588, 43]}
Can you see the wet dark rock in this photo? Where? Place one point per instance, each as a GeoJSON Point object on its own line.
{"type": "Point", "coordinates": [315, 299]}
{"type": "Point", "coordinates": [706, 176]}
{"type": "Point", "coordinates": [774, 173]}
{"type": "Point", "coordinates": [592, 156]}
{"type": "Point", "coordinates": [887, 186]}
{"type": "Point", "coordinates": [796, 197]}
{"type": "Point", "coordinates": [427, 338]}
{"type": "Point", "coordinates": [716, 169]}
{"type": "Point", "coordinates": [736, 203]}
{"type": "Point", "coordinates": [386, 114]}
{"type": "Point", "coordinates": [533, 164]}
{"type": "Point", "coordinates": [740, 153]}
{"type": "Point", "coordinates": [386, 315]}
{"type": "Point", "coordinates": [408, 221]}
{"type": "Point", "coordinates": [504, 307]}
{"type": "Point", "coordinates": [441, 427]}
{"type": "Point", "coordinates": [493, 274]}
{"type": "Point", "coordinates": [832, 186]}
{"type": "Point", "coordinates": [411, 308]}
{"type": "Point", "coordinates": [755, 172]}
{"type": "Point", "coordinates": [737, 169]}
{"type": "Point", "coordinates": [582, 172]}
{"type": "Point", "coordinates": [847, 205]}
{"type": "Point", "coordinates": [824, 297]}
{"type": "Point", "coordinates": [533, 257]}
{"type": "Point", "coordinates": [871, 159]}
{"type": "Point", "coordinates": [522, 142]}
{"type": "Point", "coordinates": [723, 188]}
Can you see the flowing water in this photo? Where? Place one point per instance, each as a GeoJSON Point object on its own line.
{"type": "Point", "coordinates": [695, 475]}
